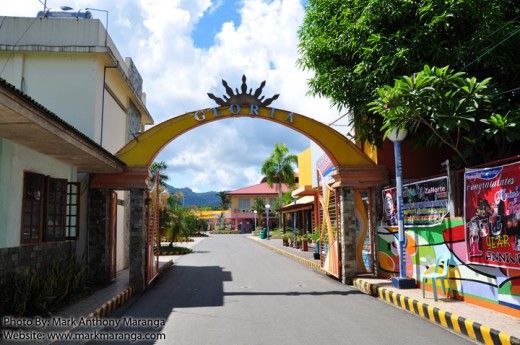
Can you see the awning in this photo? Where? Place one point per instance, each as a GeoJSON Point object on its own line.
{"type": "Point", "coordinates": [27, 123]}
{"type": "Point", "coordinates": [304, 203]}
{"type": "Point", "coordinates": [303, 191]}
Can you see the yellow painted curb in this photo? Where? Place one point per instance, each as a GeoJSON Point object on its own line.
{"type": "Point", "coordinates": [314, 265]}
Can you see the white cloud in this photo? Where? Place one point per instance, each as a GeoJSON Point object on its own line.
{"type": "Point", "coordinates": [262, 44]}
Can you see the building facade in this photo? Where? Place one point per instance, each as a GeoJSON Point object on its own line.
{"type": "Point", "coordinates": [72, 67]}
{"type": "Point", "coordinates": [242, 213]}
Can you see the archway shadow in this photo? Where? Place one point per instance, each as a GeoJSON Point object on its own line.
{"type": "Point", "coordinates": [187, 287]}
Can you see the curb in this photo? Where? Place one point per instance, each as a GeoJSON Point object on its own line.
{"type": "Point", "coordinates": [107, 308]}
{"type": "Point", "coordinates": [458, 324]}
{"type": "Point", "coordinates": [310, 263]}
{"type": "Point", "coordinates": [174, 252]}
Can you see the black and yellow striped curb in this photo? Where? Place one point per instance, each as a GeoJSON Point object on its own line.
{"type": "Point", "coordinates": [458, 324]}
{"type": "Point", "coordinates": [175, 252]}
{"type": "Point", "coordinates": [310, 263]}
{"type": "Point", "coordinates": [107, 308]}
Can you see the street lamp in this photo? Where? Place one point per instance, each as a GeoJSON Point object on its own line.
{"type": "Point", "coordinates": [267, 207]}
{"type": "Point", "coordinates": [255, 212]}
{"type": "Point", "coordinates": [402, 282]}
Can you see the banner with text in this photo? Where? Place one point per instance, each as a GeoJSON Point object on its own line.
{"type": "Point", "coordinates": [492, 215]}
{"type": "Point", "coordinates": [425, 203]}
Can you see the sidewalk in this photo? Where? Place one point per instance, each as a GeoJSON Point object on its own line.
{"type": "Point", "coordinates": [104, 301]}
{"type": "Point", "coordinates": [478, 323]}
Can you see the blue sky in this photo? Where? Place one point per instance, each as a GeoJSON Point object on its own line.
{"type": "Point", "coordinates": [183, 49]}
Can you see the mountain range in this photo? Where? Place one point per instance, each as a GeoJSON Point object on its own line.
{"type": "Point", "coordinates": [192, 198]}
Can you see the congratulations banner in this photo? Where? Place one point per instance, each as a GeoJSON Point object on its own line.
{"type": "Point", "coordinates": [492, 215]}
{"type": "Point", "coordinates": [425, 203]}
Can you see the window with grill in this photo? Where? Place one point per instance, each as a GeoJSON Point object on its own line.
{"type": "Point", "coordinates": [32, 210]}
{"type": "Point", "coordinates": [50, 209]}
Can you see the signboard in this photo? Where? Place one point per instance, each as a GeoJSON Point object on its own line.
{"type": "Point", "coordinates": [425, 203]}
{"type": "Point", "coordinates": [492, 215]}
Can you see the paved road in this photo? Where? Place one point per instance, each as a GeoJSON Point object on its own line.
{"type": "Point", "coordinates": [233, 291]}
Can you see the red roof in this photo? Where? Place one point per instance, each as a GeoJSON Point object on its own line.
{"type": "Point", "coordinates": [258, 189]}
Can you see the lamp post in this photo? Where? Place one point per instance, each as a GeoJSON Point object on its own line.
{"type": "Point", "coordinates": [254, 230]}
{"type": "Point", "coordinates": [267, 207]}
{"type": "Point", "coordinates": [294, 225]}
{"type": "Point", "coordinates": [402, 282]}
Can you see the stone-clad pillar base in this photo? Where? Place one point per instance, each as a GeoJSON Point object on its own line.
{"type": "Point", "coordinates": [348, 235]}
{"type": "Point", "coordinates": [348, 179]}
{"type": "Point", "coordinates": [98, 228]}
{"type": "Point", "coordinates": [138, 239]}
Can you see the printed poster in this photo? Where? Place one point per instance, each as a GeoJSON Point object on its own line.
{"type": "Point", "coordinates": [425, 203]}
{"type": "Point", "coordinates": [492, 215]}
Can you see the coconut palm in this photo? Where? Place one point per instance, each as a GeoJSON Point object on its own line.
{"type": "Point", "coordinates": [224, 200]}
{"type": "Point", "coordinates": [278, 168]}
{"type": "Point", "coordinates": [161, 168]}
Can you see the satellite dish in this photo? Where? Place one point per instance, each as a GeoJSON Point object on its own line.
{"type": "Point", "coordinates": [66, 8]}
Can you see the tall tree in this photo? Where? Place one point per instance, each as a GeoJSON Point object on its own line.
{"type": "Point", "coordinates": [278, 168]}
{"type": "Point", "coordinates": [224, 200]}
{"type": "Point", "coordinates": [355, 47]}
{"type": "Point", "coordinates": [259, 207]}
{"type": "Point", "coordinates": [161, 168]}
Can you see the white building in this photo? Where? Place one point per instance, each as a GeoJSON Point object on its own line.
{"type": "Point", "coordinates": [72, 68]}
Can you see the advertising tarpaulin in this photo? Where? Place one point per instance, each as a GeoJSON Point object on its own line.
{"type": "Point", "coordinates": [425, 203]}
{"type": "Point", "coordinates": [492, 215]}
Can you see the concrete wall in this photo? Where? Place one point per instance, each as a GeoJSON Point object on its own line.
{"type": "Point", "coordinates": [15, 160]}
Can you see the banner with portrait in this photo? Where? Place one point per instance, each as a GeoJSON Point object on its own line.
{"type": "Point", "coordinates": [425, 203]}
{"type": "Point", "coordinates": [492, 215]}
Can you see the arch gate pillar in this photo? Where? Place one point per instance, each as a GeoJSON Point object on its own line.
{"type": "Point", "coordinates": [347, 180]}
{"type": "Point", "coordinates": [138, 239]}
{"type": "Point", "coordinates": [98, 233]}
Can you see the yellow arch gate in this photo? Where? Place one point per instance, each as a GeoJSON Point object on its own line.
{"type": "Point", "coordinates": [353, 170]}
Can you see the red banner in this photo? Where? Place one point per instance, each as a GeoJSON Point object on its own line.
{"type": "Point", "coordinates": [492, 214]}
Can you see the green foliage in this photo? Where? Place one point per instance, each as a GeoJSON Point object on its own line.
{"type": "Point", "coordinates": [160, 168]}
{"type": "Point", "coordinates": [503, 129]}
{"type": "Point", "coordinates": [355, 47]}
{"type": "Point", "coordinates": [38, 292]}
{"type": "Point", "coordinates": [224, 200]}
{"type": "Point", "coordinates": [447, 108]}
{"type": "Point", "coordinates": [278, 168]}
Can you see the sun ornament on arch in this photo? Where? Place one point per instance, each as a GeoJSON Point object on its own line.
{"type": "Point", "coordinates": [243, 97]}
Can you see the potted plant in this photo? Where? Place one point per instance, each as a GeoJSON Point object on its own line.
{"type": "Point", "coordinates": [305, 246]}
{"type": "Point", "coordinates": [285, 239]}
{"type": "Point", "coordinates": [316, 238]}
{"type": "Point", "coordinates": [298, 241]}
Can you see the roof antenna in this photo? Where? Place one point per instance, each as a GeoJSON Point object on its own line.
{"type": "Point", "coordinates": [44, 3]}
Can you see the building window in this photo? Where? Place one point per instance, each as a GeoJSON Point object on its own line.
{"type": "Point", "coordinates": [32, 210]}
{"type": "Point", "coordinates": [273, 202]}
{"type": "Point", "coordinates": [72, 210]}
{"type": "Point", "coordinates": [56, 210]}
{"type": "Point", "coordinates": [50, 209]}
{"type": "Point", "coordinates": [244, 203]}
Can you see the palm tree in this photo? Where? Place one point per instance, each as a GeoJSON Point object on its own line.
{"type": "Point", "coordinates": [278, 168]}
{"type": "Point", "coordinates": [224, 200]}
{"type": "Point", "coordinates": [161, 168]}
